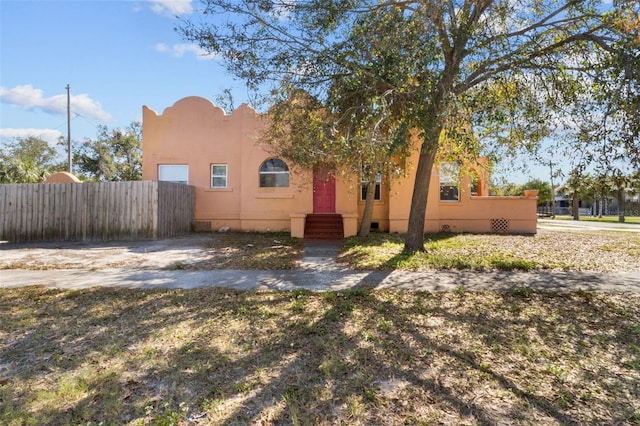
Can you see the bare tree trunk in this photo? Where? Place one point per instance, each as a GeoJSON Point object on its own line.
{"type": "Point", "coordinates": [415, 232]}
{"type": "Point", "coordinates": [575, 205]}
{"type": "Point", "coordinates": [432, 128]}
{"type": "Point", "coordinates": [365, 225]}
{"type": "Point", "coordinates": [601, 207]}
{"type": "Point", "coordinates": [621, 205]}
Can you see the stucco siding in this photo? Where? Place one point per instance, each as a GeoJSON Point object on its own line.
{"type": "Point", "coordinates": [196, 133]}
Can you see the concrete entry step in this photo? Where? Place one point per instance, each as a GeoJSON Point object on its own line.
{"type": "Point", "coordinates": [323, 227]}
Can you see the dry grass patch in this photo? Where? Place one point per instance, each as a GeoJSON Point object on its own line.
{"type": "Point", "coordinates": [215, 356]}
{"type": "Point", "coordinates": [233, 250]}
{"type": "Point", "coordinates": [252, 250]}
{"type": "Point", "coordinates": [559, 250]}
{"type": "Point", "coordinates": [604, 251]}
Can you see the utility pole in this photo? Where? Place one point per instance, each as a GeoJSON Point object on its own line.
{"type": "Point", "coordinates": [69, 128]}
{"type": "Point", "coordinates": [553, 192]}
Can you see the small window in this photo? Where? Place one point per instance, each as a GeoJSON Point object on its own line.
{"type": "Point", "coordinates": [274, 173]}
{"type": "Point", "coordinates": [173, 173]}
{"type": "Point", "coordinates": [449, 177]}
{"type": "Point", "coordinates": [218, 175]}
{"type": "Point", "coordinates": [363, 189]}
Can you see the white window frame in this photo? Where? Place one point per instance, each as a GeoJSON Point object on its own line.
{"type": "Point", "coordinates": [219, 176]}
{"type": "Point", "coordinates": [449, 177]}
{"type": "Point", "coordinates": [274, 173]}
{"type": "Point", "coordinates": [173, 173]}
{"type": "Point", "coordinates": [378, 193]}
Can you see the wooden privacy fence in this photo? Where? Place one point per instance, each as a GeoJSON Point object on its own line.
{"type": "Point", "coordinates": [95, 211]}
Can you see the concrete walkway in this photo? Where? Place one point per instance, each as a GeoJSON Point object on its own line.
{"type": "Point", "coordinates": [319, 272]}
{"type": "Point", "coordinates": [323, 280]}
{"type": "Point", "coordinates": [585, 225]}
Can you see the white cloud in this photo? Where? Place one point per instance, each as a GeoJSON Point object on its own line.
{"type": "Point", "coordinates": [282, 11]}
{"type": "Point", "coordinates": [179, 50]}
{"type": "Point", "coordinates": [30, 98]}
{"type": "Point", "coordinates": [48, 135]}
{"type": "Point", "coordinates": [171, 7]}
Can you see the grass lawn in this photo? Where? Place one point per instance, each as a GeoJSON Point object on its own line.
{"type": "Point", "coordinates": [561, 250]}
{"type": "Point", "coordinates": [212, 356]}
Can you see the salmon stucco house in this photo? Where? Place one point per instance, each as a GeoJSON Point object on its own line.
{"type": "Point", "coordinates": [241, 186]}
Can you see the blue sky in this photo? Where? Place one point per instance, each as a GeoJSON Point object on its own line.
{"type": "Point", "coordinates": [117, 55]}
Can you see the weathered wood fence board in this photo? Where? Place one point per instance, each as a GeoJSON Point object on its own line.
{"type": "Point", "coordinates": [95, 211]}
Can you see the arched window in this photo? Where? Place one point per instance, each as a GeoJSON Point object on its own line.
{"type": "Point", "coordinates": [274, 173]}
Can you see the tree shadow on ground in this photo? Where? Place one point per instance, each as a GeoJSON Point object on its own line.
{"type": "Point", "coordinates": [361, 356]}
{"type": "Point", "coordinates": [443, 250]}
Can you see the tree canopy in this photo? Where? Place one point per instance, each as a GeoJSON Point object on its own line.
{"type": "Point", "coordinates": [339, 136]}
{"type": "Point", "coordinates": [116, 154]}
{"type": "Point", "coordinates": [431, 61]}
{"type": "Point", "coordinates": [599, 118]}
{"type": "Point", "coordinates": [28, 160]}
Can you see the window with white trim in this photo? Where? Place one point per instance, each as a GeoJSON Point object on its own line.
{"type": "Point", "coordinates": [218, 175]}
{"type": "Point", "coordinates": [177, 173]}
{"type": "Point", "coordinates": [449, 179]}
{"type": "Point", "coordinates": [363, 188]}
{"type": "Point", "coordinates": [274, 173]}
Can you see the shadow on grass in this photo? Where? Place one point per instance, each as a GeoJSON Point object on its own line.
{"type": "Point", "coordinates": [359, 356]}
{"type": "Point", "coordinates": [442, 251]}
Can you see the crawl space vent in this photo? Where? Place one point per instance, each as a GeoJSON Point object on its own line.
{"type": "Point", "coordinates": [500, 225]}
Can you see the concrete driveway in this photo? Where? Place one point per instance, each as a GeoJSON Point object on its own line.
{"type": "Point", "coordinates": [577, 225]}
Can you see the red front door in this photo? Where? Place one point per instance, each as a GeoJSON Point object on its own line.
{"type": "Point", "coordinates": [324, 193]}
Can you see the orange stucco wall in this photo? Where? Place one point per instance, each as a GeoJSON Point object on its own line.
{"type": "Point", "coordinates": [471, 213]}
{"type": "Point", "coordinates": [196, 133]}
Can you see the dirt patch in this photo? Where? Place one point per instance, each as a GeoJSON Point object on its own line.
{"type": "Point", "coordinates": [598, 251]}
{"type": "Point", "coordinates": [195, 252]}
{"type": "Point", "coordinates": [81, 255]}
